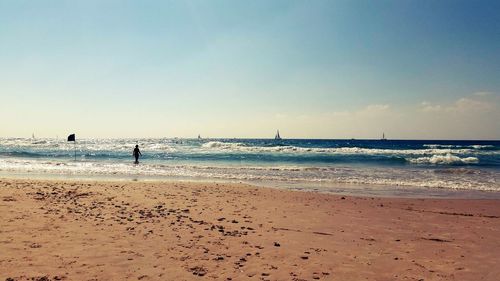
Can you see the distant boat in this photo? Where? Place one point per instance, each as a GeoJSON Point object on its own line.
{"type": "Point", "coordinates": [35, 141]}
{"type": "Point", "coordinates": [277, 137]}
{"type": "Point", "coordinates": [383, 137]}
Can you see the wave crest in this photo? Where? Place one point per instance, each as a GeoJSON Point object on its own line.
{"type": "Point", "coordinates": [240, 147]}
{"type": "Point", "coordinates": [444, 159]}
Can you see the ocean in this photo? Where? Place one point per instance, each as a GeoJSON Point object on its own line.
{"type": "Point", "coordinates": [364, 166]}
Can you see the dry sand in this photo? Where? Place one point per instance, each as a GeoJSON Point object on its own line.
{"type": "Point", "coordinates": [86, 230]}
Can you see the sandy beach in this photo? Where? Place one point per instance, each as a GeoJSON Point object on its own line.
{"type": "Point", "coordinates": [89, 230]}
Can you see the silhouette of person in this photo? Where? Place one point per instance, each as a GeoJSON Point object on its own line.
{"type": "Point", "coordinates": [136, 154]}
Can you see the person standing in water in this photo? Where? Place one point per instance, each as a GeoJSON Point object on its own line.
{"type": "Point", "coordinates": [136, 154]}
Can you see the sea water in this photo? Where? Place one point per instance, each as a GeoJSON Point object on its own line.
{"type": "Point", "coordinates": [310, 164]}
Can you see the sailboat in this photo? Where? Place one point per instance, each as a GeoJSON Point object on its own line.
{"type": "Point", "coordinates": [35, 140]}
{"type": "Point", "coordinates": [277, 137]}
{"type": "Point", "coordinates": [383, 137]}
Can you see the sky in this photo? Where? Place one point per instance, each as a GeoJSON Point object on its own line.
{"type": "Point", "coordinates": [312, 69]}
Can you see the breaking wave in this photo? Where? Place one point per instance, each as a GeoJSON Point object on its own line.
{"type": "Point", "coordinates": [444, 160]}
{"type": "Point", "coordinates": [241, 147]}
{"type": "Point", "coordinates": [473, 146]}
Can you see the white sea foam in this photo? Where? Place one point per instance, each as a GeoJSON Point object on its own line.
{"type": "Point", "coordinates": [324, 175]}
{"type": "Point", "coordinates": [172, 146]}
{"type": "Point", "coordinates": [441, 145]}
{"type": "Point", "coordinates": [234, 146]}
{"type": "Point", "coordinates": [444, 159]}
{"type": "Point", "coordinates": [120, 145]}
{"type": "Point", "coordinates": [224, 145]}
{"type": "Point", "coordinates": [474, 146]}
{"type": "Point", "coordinates": [477, 146]}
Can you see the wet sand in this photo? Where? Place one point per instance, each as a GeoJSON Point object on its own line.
{"type": "Point", "coordinates": [88, 230]}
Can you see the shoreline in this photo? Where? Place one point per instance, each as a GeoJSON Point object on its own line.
{"type": "Point", "coordinates": [96, 230]}
{"type": "Point", "coordinates": [358, 190]}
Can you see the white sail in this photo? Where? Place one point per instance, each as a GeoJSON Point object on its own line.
{"type": "Point", "coordinates": [277, 137]}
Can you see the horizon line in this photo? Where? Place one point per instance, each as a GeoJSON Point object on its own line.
{"type": "Point", "coordinates": [259, 138]}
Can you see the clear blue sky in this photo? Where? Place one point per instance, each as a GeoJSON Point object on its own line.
{"type": "Point", "coordinates": [328, 69]}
